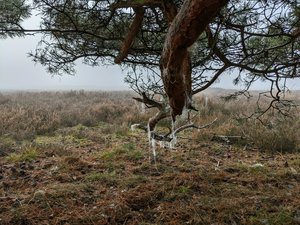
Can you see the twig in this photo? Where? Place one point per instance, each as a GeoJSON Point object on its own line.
{"type": "Point", "coordinates": [191, 125]}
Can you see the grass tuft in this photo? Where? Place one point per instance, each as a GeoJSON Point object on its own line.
{"type": "Point", "coordinates": [109, 178]}
{"type": "Point", "coordinates": [29, 154]}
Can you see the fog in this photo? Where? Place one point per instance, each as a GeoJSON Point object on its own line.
{"type": "Point", "coordinates": [19, 72]}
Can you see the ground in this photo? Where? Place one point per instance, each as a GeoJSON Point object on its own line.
{"type": "Point", "coordinates": [87, 175]}
{"type": "Point", "coordinates": [100, 173]}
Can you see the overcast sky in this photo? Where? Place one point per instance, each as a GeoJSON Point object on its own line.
{"type": "Point", "coordinates": [17, 71]}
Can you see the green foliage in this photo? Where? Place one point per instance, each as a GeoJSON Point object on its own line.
{"type": "Point", "coordinates": [12, 13]}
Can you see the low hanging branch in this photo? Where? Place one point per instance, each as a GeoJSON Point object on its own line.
{"type": "Point", "coordinates": [169, 136]}
{"type": "Point", "coordinates": [93, 30]}
{"type": "Point", "coordinates": [190, 22]}
{"type": "Point", "coordinates": [192, 125]}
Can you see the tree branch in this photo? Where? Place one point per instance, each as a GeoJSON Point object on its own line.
{"type": "Point", "coordinates": [148, 101]}
{"type": "Point", "coordinates": [131, 34]}
{"type": "Point", "coordinates": [135, 3]}
{"type": "Point", "coordinates": [212, 80]}
{"type": "Point", "coordinates": [192, 125]}
{"type": "Point", "coordinates": [189, 23]}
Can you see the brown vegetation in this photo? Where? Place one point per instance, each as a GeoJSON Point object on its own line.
{"type": "Point", "coordinates": [70, 158]}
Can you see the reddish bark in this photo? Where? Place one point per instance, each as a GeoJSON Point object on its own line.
{"type": "Point", "coordinates": [131, 35]}
{"type": "Point", "coordinates": [189, 23]}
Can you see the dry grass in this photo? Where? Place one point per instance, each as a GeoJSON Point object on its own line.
{"type": "Point", "coordinates": [24, 115]}
{"type": "Point", "coordinates": [99, 172]}
{"type": "Point", "coordinates": [274, 132]}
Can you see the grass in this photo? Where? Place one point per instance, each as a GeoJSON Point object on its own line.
{"type": "Point", "coordinates": [28, 154]}
{"type": "Point", "coordinates": [134, 181]}
{"type": "Point", "coordinates": [283, 217]}
{"type": "Point", "coordinates": [127, 150]}
{"type": "Point", "coordinates": [88, 168]}
{"type": "Point", "coordinates": [109, 178]}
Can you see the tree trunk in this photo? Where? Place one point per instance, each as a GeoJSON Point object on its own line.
{"type": "Point", "coordinates": [188, 24]}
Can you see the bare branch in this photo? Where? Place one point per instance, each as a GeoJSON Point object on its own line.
{"type": "Point", "coordinates": [149, 102]}
{"type": "Point", "coordinates": [192, 125]}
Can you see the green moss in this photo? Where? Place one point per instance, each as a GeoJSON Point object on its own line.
{"type": "Point", "coordinates": [129, 146]}
{"type": "Point", "coordinates": [134, 181]}
{"type": "Point", "coordinates": [69, 139]}
{"type": "Point", "coordinates": [108, 155]}
{"type": "Point", "coordinates": [110, 178]}
{"type": "Point", "coordinates": [7, 141]}
{"type": "Point", "coordinates": [64, 190]}
{"type": "Point", "coordinates": [258, 169]}
{"type": "Point", "coordinates": [135, 155]}
{"type": "Point", "coordinates": [29, 154]}
{"type": "Point", "coordinates": [180, 192]}
{"type": "Point", "coordinates": [122, 132]}
{"type": "Point", "coordinates": [7, 144]}
{"type": "Point", "coordinates": [253, 169]}
{"type": "Point", "coordinates": [48, 140]}
{"type": "Point", "coordinates": [126, 151]}
{"type": "Point", "coordinates": [241, 167]}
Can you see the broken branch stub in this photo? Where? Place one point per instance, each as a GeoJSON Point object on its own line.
{"type": "Point", "coordinates": [189, 23]}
